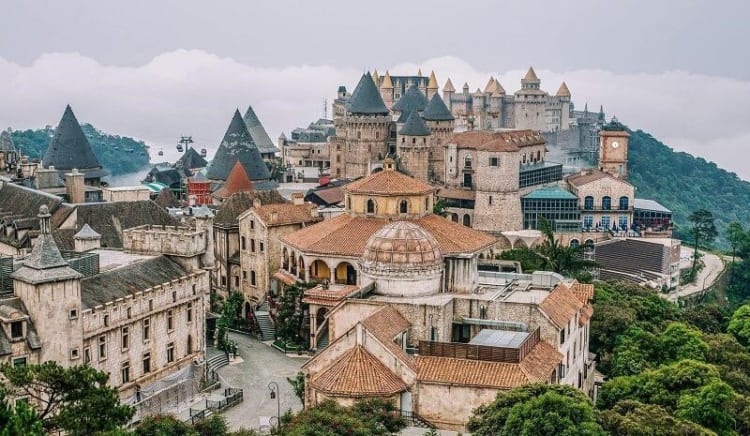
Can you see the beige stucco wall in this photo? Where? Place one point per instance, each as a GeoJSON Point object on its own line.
{"type": "Point", "coordinates": [450, 406]}
{"type": "Point", "coordinates": [388, 206]}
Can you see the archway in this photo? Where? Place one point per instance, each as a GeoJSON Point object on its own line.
{"type": "Point", "coordinates": [301, 265]}
{"type": "Point", "coordinates": [454, 217]}
{"type": "Point", "coordinates": [285, 257]}
{"type": "Point", "coordinates": [346, 274]}
{"type": "Point", "coordinates": [574, 242]}
{"type": "Point", "coordinates": [319, 271]}
{"type": "Point", "coordinates": [467, 220]}
{"type": "Point", "coordinates": [320, 315]}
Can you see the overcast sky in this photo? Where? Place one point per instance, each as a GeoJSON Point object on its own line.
{"type": "Point", "coordinates": [160, 69]}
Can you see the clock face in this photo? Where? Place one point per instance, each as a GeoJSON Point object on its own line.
{"type": "Point", "coordinates": [615, 144]}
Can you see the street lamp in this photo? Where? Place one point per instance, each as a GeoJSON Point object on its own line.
{"type": "Point", "coordinates": [274, 388]}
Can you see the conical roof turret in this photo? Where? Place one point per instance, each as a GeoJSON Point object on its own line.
{"type": "Point", "coordinates": [412, 100]}
{"type": "Point", "coordinates": [432, 84]}
{"type": "Point", "coordinates": [563, 91]}
{"type": "Point", "coordinates": [414, 126]}
{"type": "Point", "coordinates": [419, 72]}
{"type": "Point", "coordinates": [258, 133]}
{"type": "Point", "coordinates": [436, 110]}
{"type": "Point", "coordinates": [491, 86]}
{"type": "Point", "coordinates": [366, 99]}
{"type": "Point", "coordinates": [70, 149]}
{"type": "Point", "coordinates": [499, 88]}
{"type": "Point", "coordinates": [449, 86]}
{"type": "Point", "coordinates": [375, 77]}
{"type": "Point", "coordinates": [238, 181]}
{"type": "Point", "coordinates": [237, 145]}
{"type": "Point", "coordinates": [531, 76]}
{"type": "Point", "coordinates": [387, 83]}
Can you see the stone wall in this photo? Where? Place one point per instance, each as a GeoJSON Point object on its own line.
{"type": "Point", "coordinates": [171, 240]}
{"type": "Point", "coordinates": [450, 406]}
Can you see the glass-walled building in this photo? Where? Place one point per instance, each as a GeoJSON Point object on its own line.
{"type": "Point", "coordinates": [648, 214]}
{"type": "Point", "coordinates": [556, 205]}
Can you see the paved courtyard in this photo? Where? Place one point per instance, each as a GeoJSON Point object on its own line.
{"type": "Point", "coordinates": [256, 366]}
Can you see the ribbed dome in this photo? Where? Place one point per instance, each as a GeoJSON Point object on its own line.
{"type": "Point", "coordinates": [402, 244]}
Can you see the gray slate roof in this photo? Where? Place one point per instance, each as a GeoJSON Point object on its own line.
{"type": "Point", "coordinates": [69, 147]}
{"type": "Point", "coordinates": [132, 278]}
{"type": "Point", "coordinates": [412, 100]}
{"type": "Point", "coordinates": [414, 126]}
{"type": "Point", "coordinates": [366, 98]}
{"type": "Point", "coordinates": [6, 141]}
{"type": "Point", "coordinates": [238, 145]}
{"type": "Point", "coordinates": [87, 232]}
{"type": "Point", "coordinates": [436, 110]}
{"type": "Point", "coordinates": [258, 132]}
{"type": "Point", "coordinates": [191, 159]}
{"type": "Point", "coordinates": [32, 339]}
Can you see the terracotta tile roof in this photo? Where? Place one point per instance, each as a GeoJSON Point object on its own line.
{"type": "Point", "coordinates": [284, 278]}
{"type": "Point", "coordinates": [328, 297]}
{"type": "Point", "coordinates": [385, 324]}
{"type": "Point", "coordinates": [237, 181]}
{"type": "Point", "coordinates": [281, 214]}
{"type": "Point", "coordinates": [590, 175]}
{"type": "Point", "coordinates": [583, 291]}
{"type": "Point", "coordinates": [497, 141]}
{"type": "Point", "coordinates": [346, 235]}
{"type": "Point", "coordinates": [388, 182]}
{"type": "Point", "coordinates": [461, 194]}
{"type": "Point", "coordinates": [537, 366]}
{"type": "Point", "coordinates": [333, 195]}
{"type": "Point", "coordinates": [561, 305]}
{"type": "Point", "coordinates": [358, 373]}
{"type": "Point", "coordinates": [586, 313]}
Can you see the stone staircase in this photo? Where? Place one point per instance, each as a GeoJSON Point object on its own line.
{"type": "Point", "coordinates": [216, 362]}
{"type": "Point", "coordinates": [323, 341]}
{"type": "Point", "coordinates": [265, 324]}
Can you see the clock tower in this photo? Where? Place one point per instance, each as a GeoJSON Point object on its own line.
{"type": "Point", "coordinates": [613, 149]}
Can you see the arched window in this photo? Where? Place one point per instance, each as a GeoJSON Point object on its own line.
{"type": "Point", "coordinates": [588, 203]}
{"type": "Point", "coordinates": [467, 162]}
{"type": "Point", "coordinates": [624, 203]}
{"type": "Point", "coordinates": [426, 204]}
{"type": "Point", "coordinates": [467, 220]}
{"type": "Point", "coordinates": [454, 217]}
{"type": "Point", "coordinates": [606, 202]}
{"type": "Point", "coordinates": [370, 206]}
{"type": "Point", "coordinates": [574, 242]}
{"type": "Point", "coordinates": [403, 206]}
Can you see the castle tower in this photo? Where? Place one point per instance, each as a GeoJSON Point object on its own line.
{"type": "Point", "coordinates": [432, 86]}
{"type": "Point", "coordinates": [386, 90]}
{"type": "Point", "coordinates": [414, 144]}
{"type": "Point", "coordinates": [204, 222]}
{"type": "Point", "coordinates": [530, 103]}
{"type": "Point", "coordinates": [365, 129]}
{"type": "Point", "coordinates": [448, 91]}
{"type": "Point", "coordinates": [238, 144]}
{"type": "Point", "coordinates": [613, 149]}
{"type": "Point", "coordinates": [47, 283]}
{"type": "Point", "coordinates": [563, 97]}
{"type": "Point", "coordinates": [441, 123]}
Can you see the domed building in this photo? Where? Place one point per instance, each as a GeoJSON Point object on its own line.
{"type": "Point", "coordinates": [402, 259]}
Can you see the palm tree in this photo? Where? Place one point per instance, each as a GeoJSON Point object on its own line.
{"type": "Point", "coordinates": [565, 260]}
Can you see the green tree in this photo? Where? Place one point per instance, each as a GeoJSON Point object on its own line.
{"type": "Point", "coordinates": [710, 406]}
{"type": "Point", "coordinates": [163, 425]}
{"type": "Point", "coordinates": [18, 420]}
{"type": "Point", "coordinates": [739, 325]}
{"type": "Point", "coordinates": [214, 425]}
{"type": "Point", "coordinates": [229, 312]}
{"type": "Point", "coordinates": [364, 418]}
{"type": "Point", "coordinates": [632, 418]}
{"type": "Point", "coordinates": [562, 259]}
{"type": "Point", "coordinates": [298, 386]}
{"type": "Point", "coordinates": [735, 235]}
{"type": "Point", "coordinates": [536, 409]}
{"type": "Point", "coordinates": [290, 317]}
{"type": "Point", "coordinates": [75, 399]}
{"type": "Point", "coordinates": [703, 230]}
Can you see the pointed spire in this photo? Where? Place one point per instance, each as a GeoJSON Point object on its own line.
{"type": "Point", "coordinates": [69, 147]}
{"type": "Point", "coordinates": [414, 126]}
{"type": "Point", "coordinates": [238, 181]}
{"type": "Point", "coordinates": [563, 91]}
{"type": "Point", "coordinates": [491, 86]}
{"type": "Point", "coordinates": [436, 110]}
{"type": "Point", "coordinates": [237, 145]}
{"type": "Point", "coordinates": [432, 84]}
{"type": "Point", "coordinates": [499, 88]}
{"type": "Point", "coordinates": [375, 77]}
{"type": "Point", "coordinates": [531, 76]}
{"type": "Point", "coordinates": [366, 99]}
{"type": "Point", "coordinates": [258, 133]}
{"type": "Point", "coordinates": [419, 72]}
{"type": "Point", "coordinates": [412, 100]}
{"type": "Point", "coordinates": [586, 108]}
{"type": "Point", "coordinates": [387, 83]}
{"type": "Point", "coordinates": [601, 113]}
{"type": "Point", "coordinates": [478, 92]}
{"type": "Point", "coordinates": [449, 86]}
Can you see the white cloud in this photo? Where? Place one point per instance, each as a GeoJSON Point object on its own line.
{"type": "Point", "coordinates": [191, 92]}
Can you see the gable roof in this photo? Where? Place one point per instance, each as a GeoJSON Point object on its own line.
{"type": "Point", "coordinates": [69, 147]}
{"type": "Point", "coordinates": [237, 145]}
{"type": "Point", "coordinates": [237, 181]}
{"type": "Point", "coordinates": [412, 100]}
{"type": "Point", "coordinates": [357, 373]}
{"type": "Point", "coordinates": [436, 110]}
{"type": "Point", "coordinates": [561, 305]}
{"type": "Point", "coordinates": [414, 126]}
{"type": "Point", "coordinates": [238, 203]}
{"type": "Point", "coordinates": [497, 141]}
{"type": "Point", "coordinates": [286, 213]}
{"type": "Point", "coordinates": [590, 175]}
{"type": "Point", "coordinates": [366, 98]}
{"type": "Point", "coordinates": [258, 132]}
{"type": "Point", "coordinates": [191, 159]}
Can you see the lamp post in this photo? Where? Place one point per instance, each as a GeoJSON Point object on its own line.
{"type": "Point", "coordinates": [182, 146]}
{"type": "Point", "coordinates": [273, 387]}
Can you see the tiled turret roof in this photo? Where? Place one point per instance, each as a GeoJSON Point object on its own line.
{"type": "Point", "coordinates": [414, 126]}
{"type": "Point", "coordinates": [237, 145]}
{"type": "Point", "coordinates": [69, 147]}
{"type": "Point", "coordinates": [436, 110]}
{"type": "Point", "coordinates": [366, 98]}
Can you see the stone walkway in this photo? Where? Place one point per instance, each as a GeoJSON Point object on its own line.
{"type": "Point", "coordinates": [713, 267]}
{"type": "Point", "coordinates": [256, 365]}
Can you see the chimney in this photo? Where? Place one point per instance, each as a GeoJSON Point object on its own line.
{"type": "Point", "coordinates": [298, 198]}
{"type": "Point", "coordinates": [256, 202]}
{"type": "Point", "coordinates": [74, 186]}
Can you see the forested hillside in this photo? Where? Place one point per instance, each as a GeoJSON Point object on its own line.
{"type": "Point", "coordinates": [117, 154]}
{"type": "Point", "coordinates": [684, 183]}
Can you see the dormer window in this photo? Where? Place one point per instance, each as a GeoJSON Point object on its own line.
{"type": "Point", "coordinates": [16, 330]}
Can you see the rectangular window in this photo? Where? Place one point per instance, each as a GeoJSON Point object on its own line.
{"type": "Point", "coordinates": [252, 278]}
{"type": "Point", "coordinates": [16, 330]}
{"type": "Point", "coordinates": [106, 320]}
{"type": "Point", "coordinates": [494, 162]}
{"type": "Point", "coordinates": [170, 324]}
{"type": "Point", "coordinates": [129, 313]}
{"type": "Point", "coordinates": [489, 200]}
{"type": "Point", "coordinates": [146, 329]}
{"type": "Point", "coordinates": [86, 355]}
{"type": "Point", "coordinates": [236, 281]}
{"type": "Point", "coordinates": [74, 354]}
{"type": "Point", "coordinates": [562, 336]}
{"type": "Point", "coordinates": [242, 242]}
{"type": "Point", "coordinates": [252, 224]}
{"type": "Point", "coordinates": [190, 312]}
{"type": "Point", "coordinates": [261, 247]}
{"type": "Point", "coordinates": [252, 245]}
{"type": "Point", "coordinates": [150, 305]}
{"type": "Point", "coordinates": [73, 314]}
{"type": "Point", "coordinates": [223, 280]}
{"type": "Point", "coordinates": [174, 296]}
{"type": "Point", "coordinates": [19, 361]}
{"type": "Point", "coordinates": [146, 363]}
{"type": "Point", "coordinates": [588, 221]}
{"type": "Point", "coordinates": [170, 352]}
{"type": "Point", "coordinates": [124, 335]}
{"type": "Point", "coordinates": [102, 347]}
{"type": "Point", "coordinates": [125, 372]}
